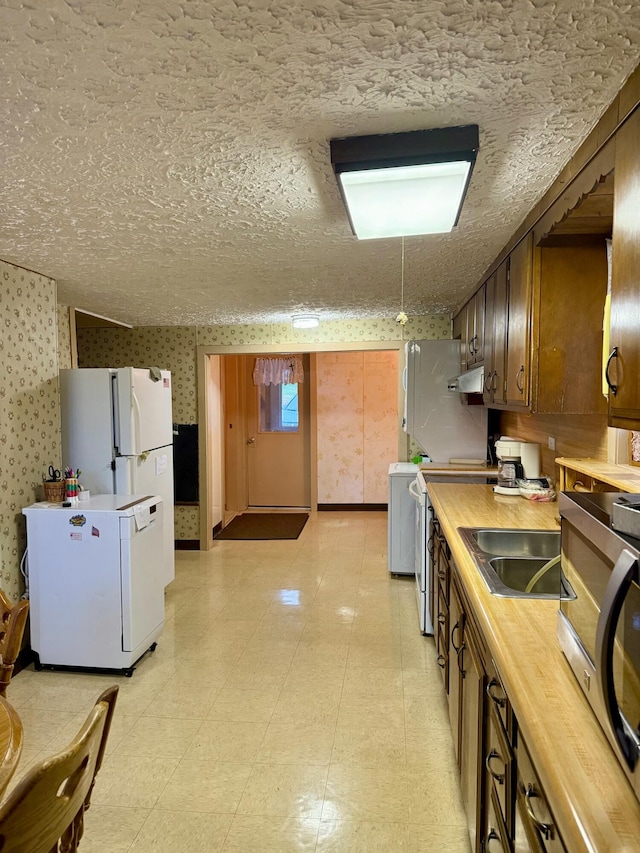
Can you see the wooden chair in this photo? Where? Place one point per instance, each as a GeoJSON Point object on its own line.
{"type": "Point", "coordinates": [45, 811]}
{"type": "Point", "coordinates": [13, 618]}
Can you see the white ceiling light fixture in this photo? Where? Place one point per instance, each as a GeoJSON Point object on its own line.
{"type": "Point", "coordinates": [305, 321]}
{"type": "Point", "coordinates": [405, 184]}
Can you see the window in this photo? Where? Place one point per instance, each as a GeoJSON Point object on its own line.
{"type": "Point", "coordinates": [278, 408]}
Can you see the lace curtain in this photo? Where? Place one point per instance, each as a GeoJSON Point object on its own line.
{"type": "Point", "coordinates": [279, 370]}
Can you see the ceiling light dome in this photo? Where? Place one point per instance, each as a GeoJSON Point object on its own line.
{"type": "Point", "coordinates": [305, 321]}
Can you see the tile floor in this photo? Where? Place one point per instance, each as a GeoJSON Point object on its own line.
{"type": "Point", "coordinates": [291, 705]}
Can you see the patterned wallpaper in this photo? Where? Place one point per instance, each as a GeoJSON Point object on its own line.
{"type": "Point", "coordinates": [338, 331]}
{"type": "Point", "coordinates": [357, 425]}
{"type": "Point", "coordinates": [29, 406]}
{"type": "Point", "coordinates": [64, 338]}
{"type": "Point", "coordinates": [174, 348]}
{"type": "Point", "coordinates": [167, 347]}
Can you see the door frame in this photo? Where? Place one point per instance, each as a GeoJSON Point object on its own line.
{"type": "Point", "coordinates": [205, 454]}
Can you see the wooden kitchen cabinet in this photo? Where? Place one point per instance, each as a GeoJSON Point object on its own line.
{"type": "Point", "coordinates": [504, 803]}
{"type": "Point", "coordinates": [535, 829]}
{"type": "Point", "coordinates": [469, 328]}
{"type": "Point", "coordinates": [472, 724]}
{"type": "Point", "coordinates": [519, 324]}
{"type": "Point", "coordinates": [495, 336]}
{"type": "Point", "coordinates": [624, 362]}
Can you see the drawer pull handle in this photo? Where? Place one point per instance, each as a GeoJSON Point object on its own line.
{"type": "Point", "coordinates": [545, 829]}
{"type": "Point", "coordinates": [499, 777]}
{"type": "Point", "coordinates": [453, 631]}
{"type": "Point", "coordinates": [493, 836]}
{"type": "Point", "coordinates": [497, 700]}
{"type": "Point", "coordinates": [613, 354]}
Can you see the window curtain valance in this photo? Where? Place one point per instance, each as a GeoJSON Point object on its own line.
{"type": "Point", "coordinates": [279, 370]}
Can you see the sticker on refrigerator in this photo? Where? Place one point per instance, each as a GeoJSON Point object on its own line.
{"type": "Point", "coordinates": [76, 535]}
{"type": "Point", "coordinates": [161, 464]}
{"type": "Point", "coordinates": [165, 382]}
{"type": "Point", "coordinates": [78, 520]}
{"type": "Point", "coordinates": [95, 532]}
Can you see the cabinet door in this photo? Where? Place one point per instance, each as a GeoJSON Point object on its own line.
{"type": "Point", "coordinates": [460, 334]}
{"type": "Point", "coordinates": [624, 370]}
{"type": "Point", "coordinates": [518, 323]}
{"type": "Point", "coordinates": [495, 336]}
{"type": "Point", "coordinates": [471, 734]}
{"type": "Point", "coordinates": [456, 633]}
{"type": "Point", "coordinates": [477, 338]}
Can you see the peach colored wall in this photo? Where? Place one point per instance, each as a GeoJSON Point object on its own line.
{"type": "Point", "coordinates": [357, 411]}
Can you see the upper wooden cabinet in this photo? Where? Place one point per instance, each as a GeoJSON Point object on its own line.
{"type": "Point", "coordinates": [624, 363]}
{"type": "Point", "coordinates": [495, 336]}
{"type": "Point", "coordinates": [519, 323]}
{"type": "Point", "coordinates": [469, 328]}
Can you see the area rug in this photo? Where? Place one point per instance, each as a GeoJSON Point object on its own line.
{"type": "Point", "coordinates": [265, 525]}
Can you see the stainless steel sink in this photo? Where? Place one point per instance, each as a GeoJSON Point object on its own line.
{"type": "Point", "coordinates": [509, 559]}
{"type": "Point", "coordinates": [518, 543]}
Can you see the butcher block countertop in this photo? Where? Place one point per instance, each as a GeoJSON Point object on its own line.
{"type": "Point", "coordinates": [592, 801]}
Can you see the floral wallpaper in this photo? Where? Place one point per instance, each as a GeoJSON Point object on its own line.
{"type": "Point", "coordinates": [174, 348]}
{"type": "Point", "coordinates": [167, 347]}
{"type": "Point", "coordinates": [330, 331]}
{"type": "Point", "coordinates": [64, 338]}
{"type": "Point", "coordinates": [29, 406]}
{"type": "Point", "coordinates": [357, 425]}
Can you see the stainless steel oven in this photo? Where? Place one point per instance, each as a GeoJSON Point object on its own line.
{"type": "Point", "coordinates": [599, 630]}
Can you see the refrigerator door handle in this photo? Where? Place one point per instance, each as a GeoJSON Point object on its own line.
{"type": "Point", "coordinates": [137, 422]}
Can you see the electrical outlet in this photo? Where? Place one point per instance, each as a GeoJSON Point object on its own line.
{"type": "Point", "coordinates": [552, 442]}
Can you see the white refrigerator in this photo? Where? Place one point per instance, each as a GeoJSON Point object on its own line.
{"type": "Point", "coordinates": [117, 429]}
{"type": "Point", "coordinates": [96, 599]}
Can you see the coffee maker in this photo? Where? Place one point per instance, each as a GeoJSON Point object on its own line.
{"type": "Point", "coordinates": [517, 460]}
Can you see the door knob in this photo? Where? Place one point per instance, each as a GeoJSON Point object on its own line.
{"type": "Point", "coordinates": [251, 440]}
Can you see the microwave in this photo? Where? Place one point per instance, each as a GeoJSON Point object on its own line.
{"type": "Point", "coordinates": [599, 629]}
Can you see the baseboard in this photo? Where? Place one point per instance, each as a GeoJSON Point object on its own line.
{"type": "Point", "coordinates": [216, 529]}
{"type": "Point", "coordinates": [352, 507]}
{"type": "Point", "coordinates": [187, 544]}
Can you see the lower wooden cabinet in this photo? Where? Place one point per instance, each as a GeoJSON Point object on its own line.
{"type": "Point", "coordinates": [505, 806]}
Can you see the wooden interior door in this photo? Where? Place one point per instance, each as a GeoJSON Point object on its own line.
{"type": "Point", "coordinates": [277, 450]}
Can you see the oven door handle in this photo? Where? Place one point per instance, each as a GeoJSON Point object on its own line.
{"type": "Point", "coordinates": [624, 573]}
{"type": "Point", "coordinates": [416, 492]}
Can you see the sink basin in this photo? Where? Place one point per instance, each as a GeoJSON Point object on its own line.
{"type": "Point", "coordinates": [509, 559]}
{"type": "Point", "coordinates": [518, 543]}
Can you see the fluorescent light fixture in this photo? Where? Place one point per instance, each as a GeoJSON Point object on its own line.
{"type": "Point", "coordinates": [305, 321]}
{"type": "Point", "coordinates": [405, 184]}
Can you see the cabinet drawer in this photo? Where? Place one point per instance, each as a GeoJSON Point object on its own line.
{"type": "Point", "coordinates": [498, 764]}
{"type": "Point", "coordinates": [498, 700]}
{"type": "Point", "coordinates": [496, 839]}
{"type": "Point", "coordinates": [535, 827]}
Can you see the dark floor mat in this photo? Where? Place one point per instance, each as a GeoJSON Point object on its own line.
{"type": "Point", "coordinates": [265, 525]}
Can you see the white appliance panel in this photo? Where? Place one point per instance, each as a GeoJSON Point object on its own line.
{"type": "Point", "coordinates": [144, 410]}
{"type": "Point", "coordinates": [87, 426]}
{"type": "Point", "coordinates": [141, 551]}
{"type": "Point", "coordinates": [442, 425]}
{"type": "Point", "coordinates": [76, 560]}
{"type": "Point", "coordinates": [152, 475]}
{"type": "Point", "coordinates": [401, 532]}
{"type": "Point", "coordinates": [74, 582]}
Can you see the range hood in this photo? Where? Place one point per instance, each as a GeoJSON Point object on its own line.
{"type": "Point", "coordinates": [472, 381]}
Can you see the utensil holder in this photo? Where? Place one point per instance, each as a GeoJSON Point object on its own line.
{"type": "Point", "coordinates": [54, 491]}
{"type": "Point", "coordinates": [71, 489]}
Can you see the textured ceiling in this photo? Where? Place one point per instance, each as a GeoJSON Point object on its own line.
{"type": "Point", "coordinates": [168, 162]}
